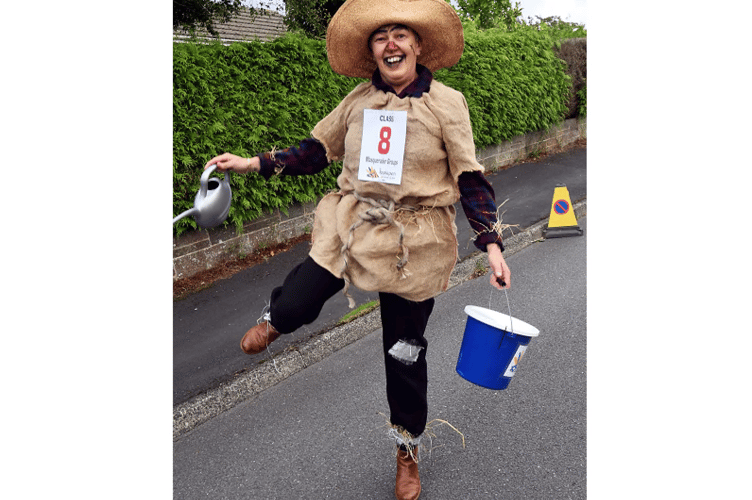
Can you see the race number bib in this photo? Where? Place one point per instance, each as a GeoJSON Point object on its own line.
{"type": "Point", "coordinates": [382, 147]}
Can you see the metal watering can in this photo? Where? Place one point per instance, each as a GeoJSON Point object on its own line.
{"type": "Point", "coordinates": [212, 203]}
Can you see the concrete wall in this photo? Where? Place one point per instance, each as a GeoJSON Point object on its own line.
{"type": "Point", "coordinates": [200, 250]}
{"type": "Point", "coordinates": [533, 143]}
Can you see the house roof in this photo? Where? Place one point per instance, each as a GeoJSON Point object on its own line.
{"type": "Point", "coordinates": [267, 25]}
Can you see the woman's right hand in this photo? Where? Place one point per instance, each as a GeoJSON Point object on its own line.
{"type": "Point", "coordinates": [228, 162]}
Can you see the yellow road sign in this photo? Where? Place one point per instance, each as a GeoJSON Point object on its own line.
{"type": "Point", "coordinates": [561, 221]}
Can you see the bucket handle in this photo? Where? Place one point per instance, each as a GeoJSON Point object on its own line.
{"type": "Point", "coordinates": [511, 327]}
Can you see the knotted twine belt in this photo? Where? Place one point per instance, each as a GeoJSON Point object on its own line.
{"type": "Point", "coordinates": [380, 212]}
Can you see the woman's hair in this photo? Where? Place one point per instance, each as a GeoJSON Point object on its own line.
{"type": "Point", "coordinates": [380, 28]}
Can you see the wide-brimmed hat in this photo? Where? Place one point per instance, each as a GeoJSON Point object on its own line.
{"type": "Point", "coordinates": [435, 21]}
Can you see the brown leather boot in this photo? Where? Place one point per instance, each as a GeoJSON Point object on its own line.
{"type": "Point", "coordinates": [408, 481]}
{"type": "Point", "coordinates": [257, 338]}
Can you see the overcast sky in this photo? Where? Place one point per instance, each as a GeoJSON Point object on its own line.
{"type": "Point", "coordinates": [574, 11]}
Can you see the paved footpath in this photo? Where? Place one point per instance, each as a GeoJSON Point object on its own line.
{"type": "Point", "coordinates": [320, 433]}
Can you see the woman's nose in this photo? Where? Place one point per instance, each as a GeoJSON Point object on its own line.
{"type": "Point", "coordinates": [391, 46]}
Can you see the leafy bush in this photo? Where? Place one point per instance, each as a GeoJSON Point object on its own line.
{"type": "Point", "coordinates": [582, 106]}
{"type": "Point", "coordinates": [573, 51]}
{"type": "Point", "coordinates": [248, 98]}
{"type": "Point", "coordinates": [490, 13]}
{"type": "Point", "coordinates": [310, 16]}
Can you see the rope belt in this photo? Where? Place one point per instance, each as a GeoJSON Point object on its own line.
{"type": "Point", "coordinates": [380, 212]}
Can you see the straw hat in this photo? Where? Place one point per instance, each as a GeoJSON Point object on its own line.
{"type": "Point", "coordinates": [435, 21]}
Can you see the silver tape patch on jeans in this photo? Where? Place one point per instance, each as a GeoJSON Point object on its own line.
{"type": "Point", "coordinates": [405, 352]}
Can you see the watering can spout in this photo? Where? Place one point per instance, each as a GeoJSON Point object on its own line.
{"type": "Point", "coordinates": [188, 212]}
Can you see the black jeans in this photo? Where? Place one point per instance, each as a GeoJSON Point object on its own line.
{"type": "Point", "coordinates": [299, 301]}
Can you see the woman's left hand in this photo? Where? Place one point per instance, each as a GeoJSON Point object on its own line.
{"type": "Point", "coordinates": [499, 268]}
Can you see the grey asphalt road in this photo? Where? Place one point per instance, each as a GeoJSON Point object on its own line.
{"type": "Point", "coordinates": [321, 433]}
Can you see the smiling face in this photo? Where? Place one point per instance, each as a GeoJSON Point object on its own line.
{"type": "Point", "coordinates": [395, 50]}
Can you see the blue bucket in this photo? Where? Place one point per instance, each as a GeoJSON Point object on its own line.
{"type": "Point", "coordinates": [492, 347]}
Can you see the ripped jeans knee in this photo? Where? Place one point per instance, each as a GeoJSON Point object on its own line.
{"type": "Point", "coordinates": [406, 351]}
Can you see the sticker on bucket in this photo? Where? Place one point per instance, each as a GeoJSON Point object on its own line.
{"type": "Point", "coordinates": [512, 368]}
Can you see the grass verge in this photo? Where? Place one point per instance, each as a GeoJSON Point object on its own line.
{"type": "Point", "coordinates": [358, 312]}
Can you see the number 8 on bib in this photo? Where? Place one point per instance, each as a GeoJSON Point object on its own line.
{"type": "Point", "coordinates": [382, 146]}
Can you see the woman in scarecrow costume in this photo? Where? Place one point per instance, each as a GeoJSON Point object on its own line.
{"type": "Point", "coordinates": [408, 155]}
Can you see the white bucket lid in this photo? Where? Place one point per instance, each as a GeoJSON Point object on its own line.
{"type": "Point", "coordinates": [501, 321]}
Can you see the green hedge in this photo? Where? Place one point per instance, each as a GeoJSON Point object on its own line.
{"type": "Point", "coordinates": [248, 98]}
{"type": "Point", "coordinates": [513, 83]}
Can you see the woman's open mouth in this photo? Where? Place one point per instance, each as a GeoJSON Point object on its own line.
{"type": "Point", "coordinates": [393, 60]}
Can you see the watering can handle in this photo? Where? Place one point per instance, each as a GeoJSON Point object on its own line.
{"type": "Point", "coordinates": [502, 283]}
{"type": "Point", "coordinates": [205, 180]}
{"type": "Point", "coordinates": [208, 171]}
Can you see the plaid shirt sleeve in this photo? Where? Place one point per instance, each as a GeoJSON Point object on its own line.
{"type": "Point", "coordinates": [307, 159]}
{"type": "Point", "coordinates": [477, 199]}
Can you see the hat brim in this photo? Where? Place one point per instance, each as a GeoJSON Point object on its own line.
{"type": "Point", "coordinates": [435, 21]}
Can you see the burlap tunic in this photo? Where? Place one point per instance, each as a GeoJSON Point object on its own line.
{"type": "Point", "coordinates": [438, 148]}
